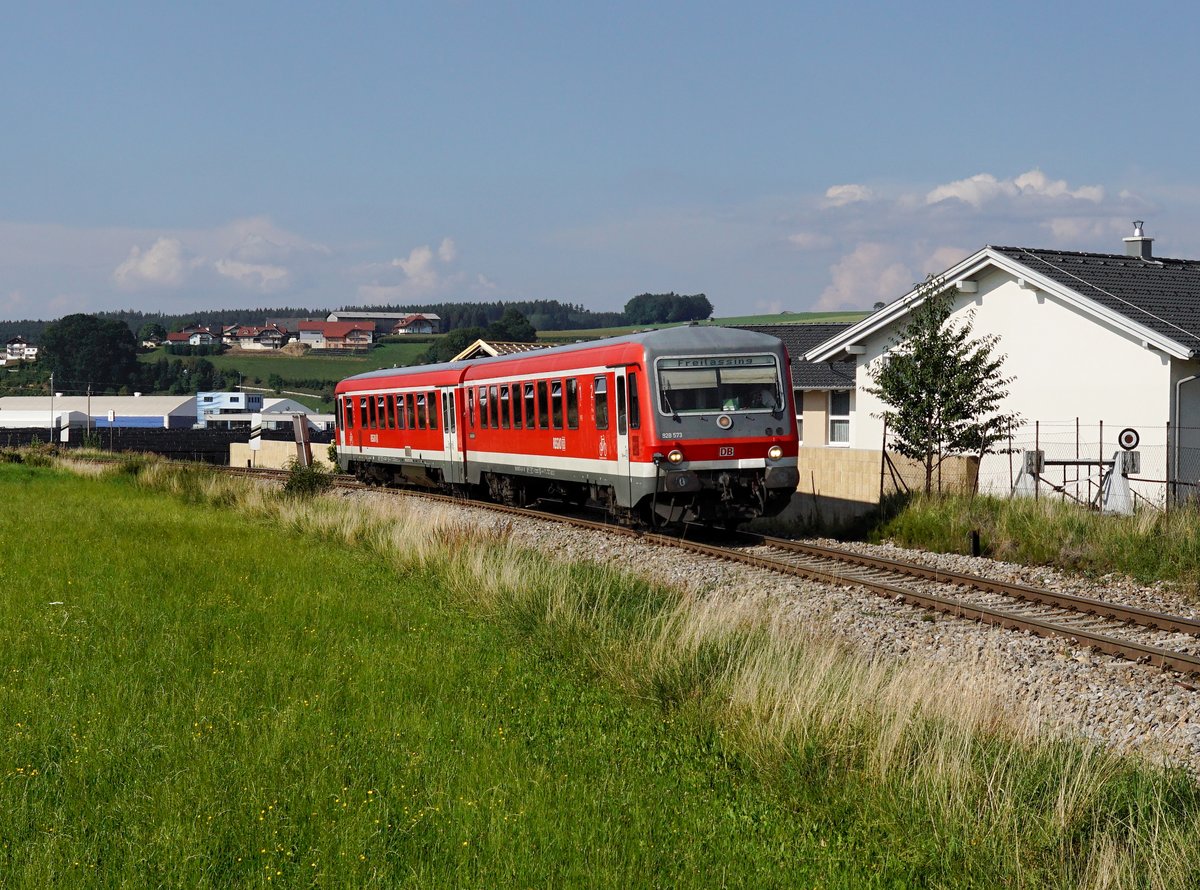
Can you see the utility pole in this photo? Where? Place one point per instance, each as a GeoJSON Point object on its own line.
{"type": "Point", "coordinates": [51, 407]}
{"type": "Point", "coordinates": [87, 424]}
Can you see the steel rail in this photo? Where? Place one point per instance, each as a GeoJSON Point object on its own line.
{"type": "Point", "coordinates": [1085, 605]}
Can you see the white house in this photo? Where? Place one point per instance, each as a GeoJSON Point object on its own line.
{"type": "Point", "coordinates": [1096, 343]}
{"type": "Point", "coordinates": [19, 349]}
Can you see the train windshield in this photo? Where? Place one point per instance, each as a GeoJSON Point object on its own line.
{"type": "Point", "coordinates": [719, 383]}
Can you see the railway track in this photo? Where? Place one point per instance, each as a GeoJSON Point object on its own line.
{"type": "Point", "coordinates": [1167, 641]}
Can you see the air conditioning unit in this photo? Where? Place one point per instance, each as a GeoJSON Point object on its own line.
{"type": "Point", "coordinates": [1035, 462]}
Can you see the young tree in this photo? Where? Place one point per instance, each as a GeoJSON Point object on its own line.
{"type": "Point", "coordinates": [943, 389]}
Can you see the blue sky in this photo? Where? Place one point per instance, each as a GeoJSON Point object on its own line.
{"type": "Point", "coordinates": [171, 157]}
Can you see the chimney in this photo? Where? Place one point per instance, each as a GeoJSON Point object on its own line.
{"type": "Point", "coordinates": [1139, 244]}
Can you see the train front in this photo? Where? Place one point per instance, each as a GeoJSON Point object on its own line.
{"type": "Point", "coordinates": [724, 442]}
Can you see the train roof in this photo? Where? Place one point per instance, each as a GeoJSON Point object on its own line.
{"type": "Point", "coordinates": [684, 337]}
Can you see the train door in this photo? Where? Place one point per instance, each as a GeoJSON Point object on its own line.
{"type": "Point", "coordinates": [622, 484]}
{"type": "Point", "coordinates": [450, 450]}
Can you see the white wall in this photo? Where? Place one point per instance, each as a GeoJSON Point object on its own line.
{"type": "Point", "coordinates": [1066, 365]}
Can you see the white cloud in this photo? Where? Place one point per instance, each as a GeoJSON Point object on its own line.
{"type": "Point", "coordinates": [810, 240]}
{"type": "Point", "coordinates": [851, 193]}
{"type": "Point", "coordinates": [258, 276]}
{"type": "Point", "coordinates": [871, 272]}
{"type": "Point", "coordinates": [984, 188]}
{"type": "Point", "coordinates": [160, 265]}
{"type": "Point", "coordinates": [447, 251]}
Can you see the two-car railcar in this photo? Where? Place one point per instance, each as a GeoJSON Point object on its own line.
{"type": "Point", "coordinates": [682, 424]}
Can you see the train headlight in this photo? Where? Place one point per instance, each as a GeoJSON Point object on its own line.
{"type": "Point", "coordinates": [774, 452]}
{"type": "Point", "coordinates": [724, 421]}
{"type": "Point", "coordinates": [675, 456]}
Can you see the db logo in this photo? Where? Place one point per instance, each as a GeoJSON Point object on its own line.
{"type": "Point", "coordinates": [725, 451]}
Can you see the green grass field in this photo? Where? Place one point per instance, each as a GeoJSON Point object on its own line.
{"type": "Point", "coordinates": [203, 683]}
{"type": "Point", "coordinates": [312, 366]}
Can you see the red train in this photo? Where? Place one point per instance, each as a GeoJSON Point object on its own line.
{"type": "Point", "coordinates": [676, 425]}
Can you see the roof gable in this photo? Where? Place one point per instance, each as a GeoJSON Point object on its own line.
{"type": "Point", "coordinates": [1157, 300]}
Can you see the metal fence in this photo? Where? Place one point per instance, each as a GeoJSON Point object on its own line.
{"type": "Point", "coordinates": [1076, 460]}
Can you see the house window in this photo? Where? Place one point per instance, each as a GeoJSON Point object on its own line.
{"type": "Point", "coordinates": [799, 395]}
{"type": "Point", "coordinates": [839, 417]}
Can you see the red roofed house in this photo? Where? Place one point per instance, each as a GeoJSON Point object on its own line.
{"type": "Point", "coordinates": [337, 334]}
{"type": "Point", "coordinates": [268, 337]}
{"type": "Point", "coordinates": [417, 324]}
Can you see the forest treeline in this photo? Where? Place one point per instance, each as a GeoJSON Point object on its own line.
{"type": "Point", "coordinates": [543, 315]}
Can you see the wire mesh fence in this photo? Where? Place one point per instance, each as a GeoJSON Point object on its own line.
{"type": "Point", "coordinates": [1075, 461]}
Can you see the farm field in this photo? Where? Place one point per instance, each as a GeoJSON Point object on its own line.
{"type": "Point", "coordinates": [787, 318]}
{"type": "Point", "coordinates": [405, 700]}
{"type": "Point", "coordinates": [259, 368]}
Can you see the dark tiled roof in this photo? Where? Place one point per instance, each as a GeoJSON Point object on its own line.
{"type": "Point", "coordinates": [799, 339]}
{"type": "Point", "coordinates": [1160, 294]}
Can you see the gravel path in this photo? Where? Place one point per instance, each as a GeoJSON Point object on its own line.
{"type": "Point", "coordinates": [1126, 706]}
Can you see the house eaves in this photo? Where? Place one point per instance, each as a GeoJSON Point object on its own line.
{"type": "Point", "coordinates": [844, 344]}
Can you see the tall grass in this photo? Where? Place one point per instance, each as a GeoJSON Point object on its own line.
{"type": "Point", "coordinates": [923, 771]}
{"type": "Point", "coordinates": [1149, 546]}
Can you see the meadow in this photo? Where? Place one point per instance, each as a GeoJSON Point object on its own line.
{"type": "Point", "coordinates": [258, 367]}
{"type": "Point", "coordinates": [204, 682]}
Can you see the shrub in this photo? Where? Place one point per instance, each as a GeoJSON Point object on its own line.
{"type": "Point", "coordinates": [307, 481]}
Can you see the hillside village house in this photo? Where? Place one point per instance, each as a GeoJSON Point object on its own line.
{"type": "Point", "coordinates": [337, 334]}
{"type": "Point", "coordinates": [1096, 343]}
{"type": "Point", "coordinates": [258, 339]}
{"type": "Point", "coordinates": [381, 322]}
{"type": "Point", "coordinates": [19, 349]}
{"type": "Point", "coordinates": [418, 324]}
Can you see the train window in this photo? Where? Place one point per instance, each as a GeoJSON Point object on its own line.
{"type": "Point", "coordinates": [635, 413]}
{"type": "Point", "coordinates": [383, 418]}
{"type": "Point", "coordinates": [556, 404]}
{"type": "Point", "coordinates": [432, 403]}
{"type": "Point", "coordinates": [483, 402]}
{"type": "Point", "coordinates": [389, 408]}
{"type": "Point", "coordinates": [600, 396]}
{"type": "Point", "coordinates": [412, 411]}
{"type": "Point", "coordinates": [572, 403]}
{"type": "Point", "coordinates": [372, 415]}
{"type": "Point", "coordinates": [504, 407]}
{"type": "Point", "coordinates": [420, 410]}
{"type": "Point", "coordinates": [362, 412]}
{"type": "Point", "coordinates": [516, 406]}
{"type": "Point", "coordinates": [493, 406]}
{"type": "Point", "coordinates": [349, 406]}
{"type": "Point", "coordinates": [470, 406]}
{"type": "Point", "coordinates": [400, 412]}
{"type": "Point", "coordinates": [695, 386]}
{"type": "Point", "coordinates": [530, 408]}
{"type": "Point", "coordinates": [621, 405]}
{"type": "Point", "coordinates": [543, 406]}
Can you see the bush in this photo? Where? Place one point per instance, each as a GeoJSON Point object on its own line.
{"type": "Point", "coordinates": [304, 482]}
